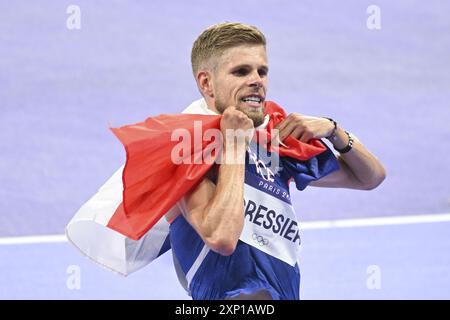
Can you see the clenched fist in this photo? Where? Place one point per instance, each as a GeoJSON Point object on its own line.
{"type": "Point", "coordinates": [236, 126]}
{"type": "Point", "coordinates": [304, 128]}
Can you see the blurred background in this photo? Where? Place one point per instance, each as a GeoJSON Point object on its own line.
{"type": "Point", "coordinates": [62, 87]}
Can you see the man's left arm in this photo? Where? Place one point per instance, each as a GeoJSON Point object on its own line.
{"type": "Point", "coordinates": [359, 168]}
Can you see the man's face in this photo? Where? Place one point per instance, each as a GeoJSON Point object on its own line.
{"type": "Point", "coordinates": [240, 80]}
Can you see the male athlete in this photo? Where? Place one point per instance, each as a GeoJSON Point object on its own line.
{"type": "Point", "coordinates": [236, 236]}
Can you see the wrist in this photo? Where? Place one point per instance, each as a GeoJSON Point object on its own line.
{"type": "Point", "coordinates": [236, 145]}
{"type": "Point", "coordinates": [332, 134]}
{"type": "Point", "coordinates": [343, 142]}
{"type": "Point", "coordinates": [234, 152]}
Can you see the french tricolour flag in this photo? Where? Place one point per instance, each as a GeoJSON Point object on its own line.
{"type": "Point", "coordinates": [89, 232]}
{"type": "Point", "coordinates": [123, 226]}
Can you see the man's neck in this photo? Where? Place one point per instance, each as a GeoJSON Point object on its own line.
{"type": "Point", "coordinates": [211, 105]}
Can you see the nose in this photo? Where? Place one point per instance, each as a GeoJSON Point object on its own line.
{"type": "Point", "coordinates": [255, 80]}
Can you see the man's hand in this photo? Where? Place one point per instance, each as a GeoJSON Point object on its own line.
{"type": "Point", "coordinates": [304, 128]}
{"type": "Point", "coordinates": [236, 126]}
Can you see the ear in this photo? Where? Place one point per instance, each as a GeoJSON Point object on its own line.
{"type": "Point", "coordinates": [205, 84]}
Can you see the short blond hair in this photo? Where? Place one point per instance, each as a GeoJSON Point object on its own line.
{"type": "Point", "coordinates": [216, 39]}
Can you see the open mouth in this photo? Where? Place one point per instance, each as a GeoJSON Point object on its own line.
{"type": "Point", "coordinates": [253, 100]}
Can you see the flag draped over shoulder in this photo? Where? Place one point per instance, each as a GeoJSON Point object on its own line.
{"type": "Point", "coordinates": [153, 183]}
{"type": "Point", "coordinates": [122, 226]}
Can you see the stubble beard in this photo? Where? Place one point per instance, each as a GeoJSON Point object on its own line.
{"type": "Point", "coordinates": [257, 116]}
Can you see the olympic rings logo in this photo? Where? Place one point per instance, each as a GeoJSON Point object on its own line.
{"type": "Point", "coordinates": [260, 239]}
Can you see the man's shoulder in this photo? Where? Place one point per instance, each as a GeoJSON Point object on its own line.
{"type": "Point", "coordinates": [198, 107]}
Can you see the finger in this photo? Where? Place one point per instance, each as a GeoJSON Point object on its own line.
{"type": "Point", "coordinates": [228, 111]}
{"type": "Point", "coordinates": [297, 132]}
{"type": "Point", "coordinates": [305, 137]}
{"type": "Point", "coordinates": [280, 142]}
{"type": "Point", "coordinates": [288, 130]}
{"type": "Point", "coordinates": [281, 125]}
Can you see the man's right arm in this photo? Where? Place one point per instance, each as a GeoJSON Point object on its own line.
{"type": "Point", "coordinates": [216, 212]}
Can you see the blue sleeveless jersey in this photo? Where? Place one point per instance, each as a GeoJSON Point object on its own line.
{"type": "Point", "coordinates": [266, 254]}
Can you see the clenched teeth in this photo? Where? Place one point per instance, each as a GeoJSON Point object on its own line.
{"type": "Point", "coordinates": [253, 99]}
